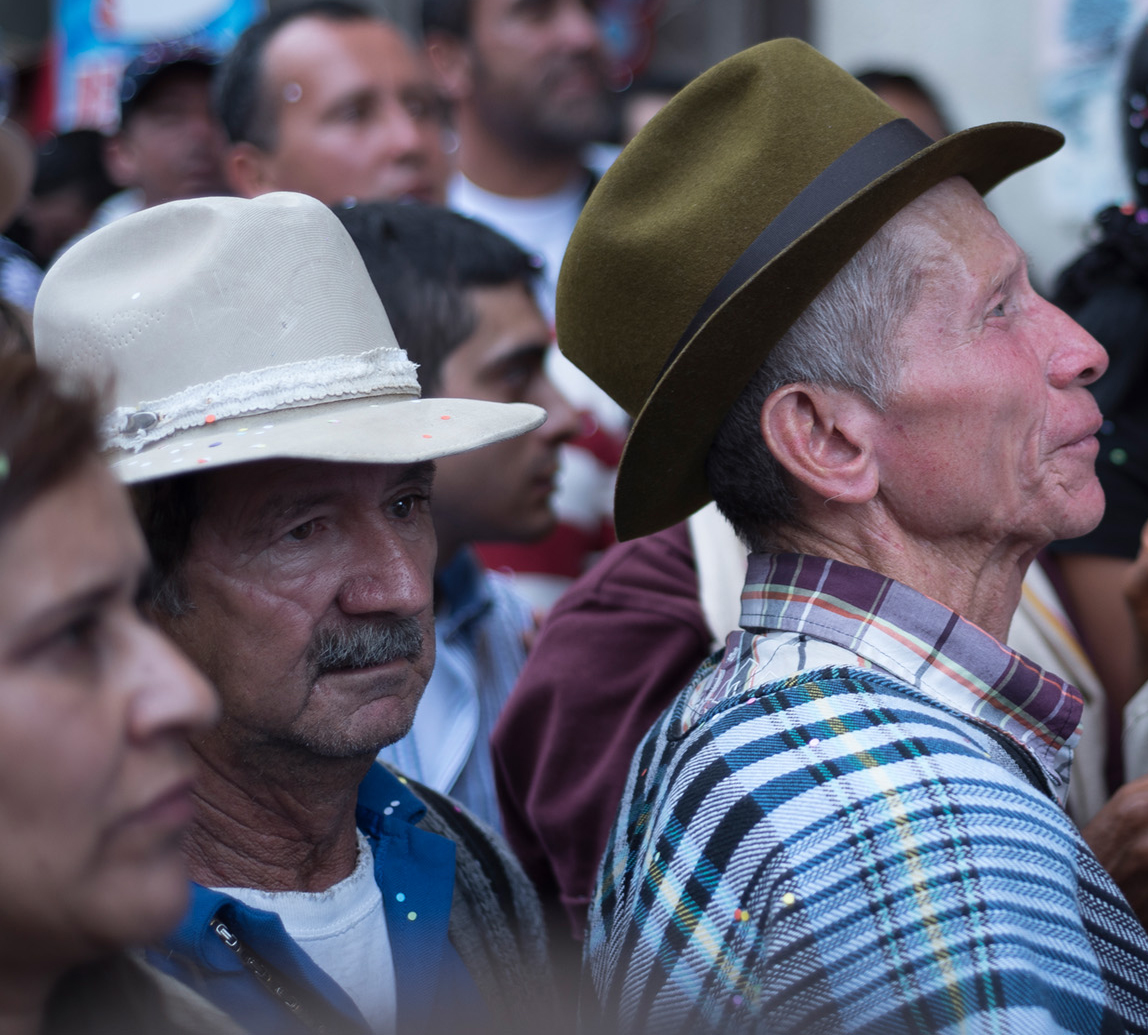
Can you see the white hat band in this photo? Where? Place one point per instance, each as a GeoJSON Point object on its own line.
{"type": "Point", "coordinates": [383, 371]}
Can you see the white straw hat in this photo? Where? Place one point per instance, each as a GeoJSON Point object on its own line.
{"type": "Point", "coordinates": [236, 330]}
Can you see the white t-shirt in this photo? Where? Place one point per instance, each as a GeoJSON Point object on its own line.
{"type": "Point", "coordinates": [344, 931]}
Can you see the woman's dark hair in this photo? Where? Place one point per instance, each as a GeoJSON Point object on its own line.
{"type": "Point", "coordinates": [46, 434]}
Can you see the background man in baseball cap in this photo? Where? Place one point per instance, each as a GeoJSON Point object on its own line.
{"type": "Point", "coordinates": [283, 465]}
{"type": "Point", "coordinates": [852, 820]}
{"type": "Point", "coordinates": [169, 144]}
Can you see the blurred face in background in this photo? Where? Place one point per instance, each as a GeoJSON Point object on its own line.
{"type": "Point", "coordinates": [171, 146]}
{"type": "Point", "coordinates": [358, 116]}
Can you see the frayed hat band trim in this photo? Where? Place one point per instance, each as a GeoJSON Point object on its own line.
{"type": "Point", "coordinates": [383, 371]}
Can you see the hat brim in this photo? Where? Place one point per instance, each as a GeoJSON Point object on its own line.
{"type": "Point", "coordinates": [661, 479]}
{"type": "Point", "coordinates": [381, 430]}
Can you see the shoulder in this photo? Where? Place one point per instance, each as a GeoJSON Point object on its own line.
{"type": "Point", "coordinates": [486, 872]}
{"type": "Point", "coordinates": [655, 574]}
{"type": "Point", "coordinates": [496, 921]}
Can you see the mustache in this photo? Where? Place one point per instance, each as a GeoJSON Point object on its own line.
{"type": "Point", "coordinates": [366, 644]}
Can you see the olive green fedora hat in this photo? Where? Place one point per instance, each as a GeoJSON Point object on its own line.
{"type": "Point", "coordinates": [718, 225]}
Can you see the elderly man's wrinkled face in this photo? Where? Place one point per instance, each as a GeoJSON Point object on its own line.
{"type": "Point", "coordinates": [989, 436]}
{"type": "Point", "coordinates": [312, 611]}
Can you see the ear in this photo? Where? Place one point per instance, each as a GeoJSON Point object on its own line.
{"type": "Point", "coordinates": [820, 436]}
{"type": "Point", "coordinates": [450, 59]}
{"type": "Point", "coordinates": [249, 170]}
{"type": "Point", "coordinates": [120, 160]}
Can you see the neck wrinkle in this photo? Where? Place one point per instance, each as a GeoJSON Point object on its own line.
{"type": "Point", "coordinates": [980, 581]}
{"type": "Point", "coordinates": [276, 827]}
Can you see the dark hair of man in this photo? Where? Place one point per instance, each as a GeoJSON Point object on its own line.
{"type": "Point", "coordinates": [46, 435]}
{"type": "Point", "coordinates": [422, 261]}
{"type": "Point", "coordinates": [238, 94]}
{"type": "Point", "coordinates": [450, 17]}
{"type": "Point", "coordinates": [167, 510]}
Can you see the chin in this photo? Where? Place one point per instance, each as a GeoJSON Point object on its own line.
{"type": "Point", "coordinates": [143, 906]}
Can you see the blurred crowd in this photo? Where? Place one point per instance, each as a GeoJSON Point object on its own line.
{"type": "Point", "coordinates": [486, 552]}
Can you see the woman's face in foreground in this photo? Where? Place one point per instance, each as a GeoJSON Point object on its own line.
{"type": "Point", "coordinates": [95, 709]}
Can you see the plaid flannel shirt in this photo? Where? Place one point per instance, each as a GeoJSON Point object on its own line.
{"type": "Point", "coordinates": [836, 828]}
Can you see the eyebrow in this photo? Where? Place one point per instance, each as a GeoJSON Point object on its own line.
{"type": "Point", "coordinates": [283, 507]}
{"type": "Point", "coordinates": [364, 95]}
{"type": "Point", "coordinates": [421, 473]}
{"type": "Point", "coordinates": [29, 632]}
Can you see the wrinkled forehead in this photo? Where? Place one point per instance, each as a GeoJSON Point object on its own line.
{"type": "Point", "coordinates": [325, 51]}
{"type": "Point", "coordinates": [959, 250]}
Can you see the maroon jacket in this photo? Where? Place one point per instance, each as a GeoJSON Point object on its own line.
{"type": "Point", "coordinates": [612, 655]}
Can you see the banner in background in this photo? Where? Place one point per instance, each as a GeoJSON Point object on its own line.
{"type": "Point", "coordinates": [95, 39]}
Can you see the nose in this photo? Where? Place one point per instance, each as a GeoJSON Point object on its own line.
{"type": "Point", "coordinates": [562, 420]}
{"type": "Point", "coordinates": [401, 136]}
{"type": "Point", "coordinates": [1078, 358]}
{"type": "Point", "coordinates": [168, 694]}
{"type": "Point", "coordinates": [389, 571]}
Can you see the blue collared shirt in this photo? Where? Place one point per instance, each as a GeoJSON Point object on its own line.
{"type": "Point", "coordinates": [415, 873]}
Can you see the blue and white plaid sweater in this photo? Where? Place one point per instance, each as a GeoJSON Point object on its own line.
{"type": "Point", "coordinates": [863, 846]}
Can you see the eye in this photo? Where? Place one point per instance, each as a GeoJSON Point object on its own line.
{"type": "Point", "coordinates": [301, 532]}
{"type": "Point", "coordinates": [80, 633]}
{"type": "Point", "coordinates": [998, 309]}
{"type": "Point", "coordinates": [406, 506]}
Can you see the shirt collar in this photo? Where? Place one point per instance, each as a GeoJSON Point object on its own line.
{"type": "Point", "coordinates": [922, 643]}
{"type": "Point", "coordinates": [461, 591]}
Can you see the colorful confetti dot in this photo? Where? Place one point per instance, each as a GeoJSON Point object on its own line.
{"type": "Point", "coordinates": [395, 804]}
{"type": "Point", "coordinates": [445, 416]}
{"type": "Point", "coordinates": [212, 445]}
{"type": "Point", "coordinates": [201, 460]}
{"type": "Point", "coordinates": [741, 914]}
{"type": "Point", "coordinates": [788, 898]}
{"type": "Point", "coordinates": [400, 897]}
{"type": "Point", "coordinates": [737, 1000]}
{"type": "Point", "coordinates": [412, 915]}
{"type": "Point", "coordinates": [428, 436]}
{"type": "Point", "coordinates": [814, 742]}
{"type": "Point", "coordinates": [387, 811]}
{"type": "Point", "coordinates": [209, 419]}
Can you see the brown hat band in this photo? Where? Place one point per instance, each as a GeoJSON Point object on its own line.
{"type": "Point", "coordinates": [874, 155]}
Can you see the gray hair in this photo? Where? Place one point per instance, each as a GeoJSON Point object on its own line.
{"type": "Point", "coordinates": [843, 339]}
